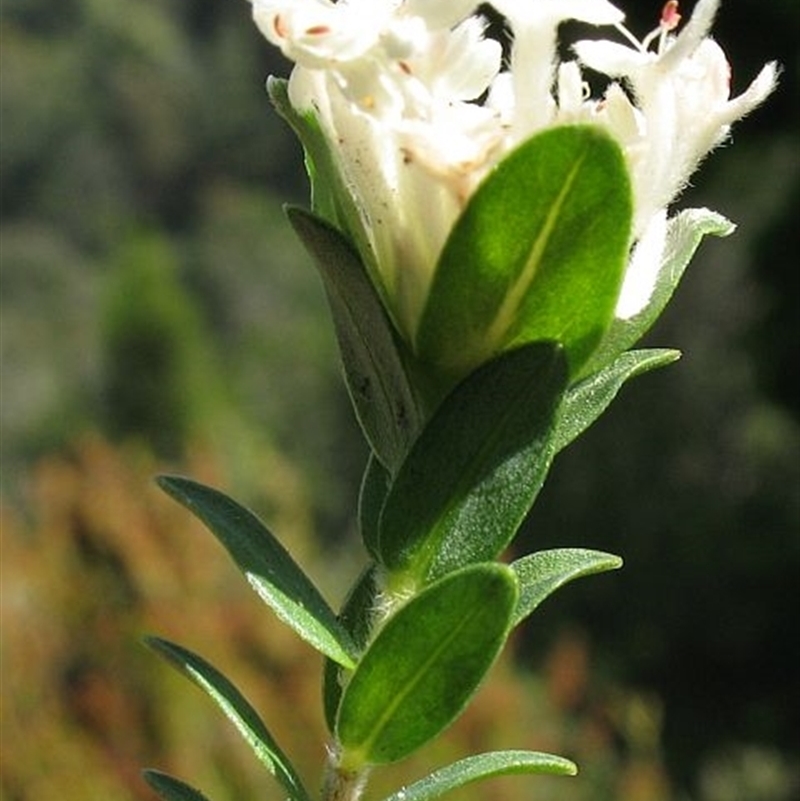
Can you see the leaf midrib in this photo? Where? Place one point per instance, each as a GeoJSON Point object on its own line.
{"type": "Point", "coordinates": [514, 297]}
{"type": "Point", "coordinates": [400, 698]}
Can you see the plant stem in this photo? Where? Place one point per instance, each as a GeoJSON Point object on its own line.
{"type": "Point", "coordinates": [343, 784]}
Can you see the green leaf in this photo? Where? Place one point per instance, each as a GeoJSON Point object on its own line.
{"type": "Point", "coordinates": [357, 616]}
{"type": "Point", "coordinates": [473, 473]}
{"type": "Point", "coordinates": [170, 788]}
{"type": "Point", "coordinates": [371, 350]}
{"type": "Point", "coordinates": [538, 253]}
{"type": "Point", "coordinates": [237, 709]}
{"type": "Point", "coordinates": [483, 766]}
{"type": "Point", "coordinates": [540, 574]}
{"type": "Point", "coordinates": [425, 664]}
{"type": "Point", "coordinates": [587, 400]}
{"type": "Point", "coordinates": [685, 231]}
{"type": "Point", "coordinates": [271, 571]}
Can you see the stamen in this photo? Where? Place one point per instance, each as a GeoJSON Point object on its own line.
{"type": "Point", "coordinates": [318, 30]}
{"type": "Point", "coordinates": [657, 33]}
{"type": "Point", "coordinates": [279, 28]}
{"type": "Point", "coordinates": [630, 37]}
{"type": "Point", "coordinates": [670, 18]}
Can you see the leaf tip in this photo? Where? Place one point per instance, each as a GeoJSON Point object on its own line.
{"type": "Point", "coordinates": [169, 483]}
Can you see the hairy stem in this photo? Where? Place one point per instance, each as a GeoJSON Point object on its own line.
{"type": "Point", "coordinates": [342, 783]}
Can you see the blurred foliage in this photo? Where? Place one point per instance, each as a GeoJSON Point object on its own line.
{"type": "Point", "coordinates": [151, 286]}
{"type": "Point", "coordinates": [159, 377]}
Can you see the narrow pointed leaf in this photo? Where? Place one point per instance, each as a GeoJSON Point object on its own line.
{"type": "Point", "coordinates": [538, 253]}
{"type": "Point", "coordinates": [357, 615]}
{"type": "Point", "coordinates": [540, 574]}
{"type": "Point", "coordinates": [684, 233]}
{"type": "Point", "coordinates": [425, 664]}
{"type": "Point", "coordinates": [237, 709]}
{"type": "Point", "coordinates": [473, 473]}
{"type": "Point", "coordinates": [373, 365]}
{"type": "Point", "coordinates": [171, 789]}
{"type": "Point", "coordinates": [483, 766]}
{"type": "Point", "coordinates": [269, 568]}
{"type": "Point", "coordinates": [588, 399]}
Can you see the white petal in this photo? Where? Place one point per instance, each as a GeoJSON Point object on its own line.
{"type": "Point", "coordinates": [643, 269]}
{"type": "Point", "coordinates": [622, 117]}
{"type": "Point", "coordinates": [501, 96]}
{"type": "Point", "coordinates": [610, 58]}
{"type": "Point", "coordinates": [755, 94]}
{"type": "Point", "coordinates": [570, 88]}
{"type": "Point", "coordinates": [316, 33]}
{"type": "Point", "coordinates": [460, 64]}
{"type": "Point", "coordinates": [595, 12]}
{"type": "Point", "coordinates": [457, 141]}
{"type": "Point", "coordinates": [308, 91]}
{"type": "Point", "coordinates": [440, 13]}
{"type": "Point", "coordinates": [477, 58]}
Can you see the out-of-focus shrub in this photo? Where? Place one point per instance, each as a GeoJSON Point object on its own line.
{"type": "Point", "coordinates": [160, 381]}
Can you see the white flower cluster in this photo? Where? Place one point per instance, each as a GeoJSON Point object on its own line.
{"type": "Point", "coordinates": [419, 107]}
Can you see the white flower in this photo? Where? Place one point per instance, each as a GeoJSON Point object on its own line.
{"type": "Point", "coordinates": [680, 107]}
{"type": "Point", "coordinates": [391, 84]}
{"type": "Point", "coordinates": [411, 97]}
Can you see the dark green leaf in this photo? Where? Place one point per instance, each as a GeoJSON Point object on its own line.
{"type": "Point", "coordinates": [357, 616]}
{"type": "Point", "coordinates": [588, 399]}
{"type": "Point", "coordinates": [373, 365]}
{"type": "Point", "coordinates": [170, 788]}
{"type": "Point", "coordinates": [374, 488]}
{"type": "Point", "coordinates": [425, 664]}
{"type": "Point", "coordinates": [475, 470]}
{"type": "Point", "coordinates": [683, 236]}
{"type": "Point", "coordinates": [541, 574]}
{"type": "Point", "coordinates": [271, 571]}
{"type": "Point", "coordinates": [483, 766]}
{"type": "Point", "coordinates": [538, 253]}
{"type": "Point", "coordinates": [237, 709]}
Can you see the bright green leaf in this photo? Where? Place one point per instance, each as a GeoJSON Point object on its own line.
{"type": "Point", "coordinates": [483, 766]}
{"type": "Point", "coordinates": [588, 399]}
{"type": "Point", "coordinates": [170, 788]}
{"type": "Point", "coordinates": [685, 231]}
{"type": "Point", "coordinates": [373, 364]}
{"type": "Point", "coordinates": [540, 574]}
{"type": "Point", "coordinates": [237, 709]}
{"type": "Point", "coordinates": [473, 473]}
{"type": "Point", "coordinates": [425, 664]}
{"type": "Point", "coordinates": [269, 568]}
{"type": "Point", "coordinates": [538, 253]}
{"type": "Point", "coordinates": [357, 616]}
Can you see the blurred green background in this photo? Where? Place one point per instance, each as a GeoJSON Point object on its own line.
{"type": "Point", "coordinates": [157, 314]}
